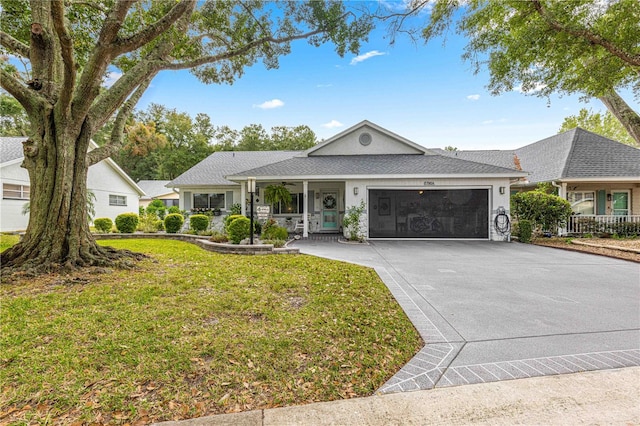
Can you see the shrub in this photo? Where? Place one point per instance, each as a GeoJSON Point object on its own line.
{"type": "Point", "coordinates": [199, 222]}
{"type": "Point", "coordinates": [158, 208]}
{"type": "Point", "coordinates": [236, 208]}
{"type": "Point", "coordinates": [275, 243]}
{"type": "Point", "coordinates": [228, 219]}
{"type": "Point", "coordinates": [352, 222]}
{"type": "Point", "coordinates": [218, 237]}
{"type": "Point", "coordinates": [103, 224]}
{"type": "Point", "coordinates": [174, 209]}
{"type": "Point", "coordinates": [159, 225]}
{"type": "Point", "coordinates": [544, 210]}
{"type": "Point", "coordinates": [173, 223]}
{"type": "Point", "coordinates": [276, 233]}
{"type": "Point", "coordinates": [148, 223]}
{"type": "Point", "coordinates": [127, 222]}
{"type": "Point", "coordinates": [238, 229]}
{"type": "Point", "coordinates": [525, 230]}
{"type": "Point", "coordinates": [267, 225]}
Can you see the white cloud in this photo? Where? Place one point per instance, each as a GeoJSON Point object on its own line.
{"type": "Point", "coordinates": [366, 56]}
{"type": "Point", "coordinates": [473, 97]}
{"type": "Point", "coordinates": [324, 85]}
{"type": "Point", "coordinates": [332, 124]}
{"type": "Point", "coordinates": [487, 122]}
{"type": "Point", "coordinates": [111, 78]}
{"type": "Point", "coordinates": [273, 103]}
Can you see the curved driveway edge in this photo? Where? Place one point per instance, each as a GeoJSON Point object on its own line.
{"type": "Point", "coordinates": [492, 311]}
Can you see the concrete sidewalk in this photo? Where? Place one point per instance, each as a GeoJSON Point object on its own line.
{"type": "Point", "coordinates": [609, 397]}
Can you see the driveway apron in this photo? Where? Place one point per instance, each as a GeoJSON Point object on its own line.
{"type": "Point", "coordinates": [491, 311]}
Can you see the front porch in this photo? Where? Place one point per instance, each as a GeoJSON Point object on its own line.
{"type": "Point", "coordinates": [582, 224]}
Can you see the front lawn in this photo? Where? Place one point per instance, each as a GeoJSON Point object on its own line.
{"type": "Point", "coordinates": [191, 333]}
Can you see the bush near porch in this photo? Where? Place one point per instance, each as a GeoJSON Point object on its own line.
{"type": "Point", "coordinates": [190, 333]}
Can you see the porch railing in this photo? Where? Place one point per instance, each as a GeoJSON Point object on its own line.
{"type": "Point", "coordinates": [594, 224]}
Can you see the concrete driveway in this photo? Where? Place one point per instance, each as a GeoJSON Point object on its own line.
{"type": "Point", "coordinates": [491, 311]}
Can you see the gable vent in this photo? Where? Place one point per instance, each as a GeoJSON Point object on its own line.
{"type": "Point", "coordinates": [365, 139]}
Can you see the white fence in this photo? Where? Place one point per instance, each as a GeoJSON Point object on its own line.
{"type": "Point", "coordinates": [593, 224]}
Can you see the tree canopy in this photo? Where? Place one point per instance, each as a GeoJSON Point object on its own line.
{"type": "Point", "coordinates": [70, 47]}
{"type": "Point", "coordinates": [603, 124]}
{"type": "Point", "coordinates": [540, 47]}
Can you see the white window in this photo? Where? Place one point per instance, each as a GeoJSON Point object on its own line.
{"type": "Point", "coordinates": [295, 207]}
{"type": "Point", "coordinates": [17, 192]}
{"type": "Point", "coordinates": [208, 201]}
{"type": "Point", "coordinates": [582, 202]}
{"type": "Point", "coordinates": [620, 203]}
{"type": "Point", "coordinates": [117, 200]}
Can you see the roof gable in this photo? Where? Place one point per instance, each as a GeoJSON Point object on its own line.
{"type": "Point", "coordinates": [366, 138]}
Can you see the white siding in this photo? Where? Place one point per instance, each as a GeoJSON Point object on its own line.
{"type": "Point", "coordinates": [380, 144]}
{"type": "Point", "coordinates": [102, 179]}
{"type": "Point", "coordinates": [11, 217]}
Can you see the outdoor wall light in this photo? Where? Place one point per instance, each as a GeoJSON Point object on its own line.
{"type": "Point", "coordinates": [502, 189]}
{"type": "Point", "coordinates": [355, 190]}
{"type": "Point", "coordinates": [608, 197]}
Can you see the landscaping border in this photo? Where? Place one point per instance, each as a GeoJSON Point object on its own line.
{"type": "Point", "coordinates": [256, 249]}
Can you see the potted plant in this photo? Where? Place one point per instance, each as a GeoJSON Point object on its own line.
{"type": "Point", "coordinates": [277, 194]}
{"type": "Point", "coordinates": [217, 211]}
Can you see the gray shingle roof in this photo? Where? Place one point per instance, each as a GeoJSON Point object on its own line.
{"type": "Point", "coordinates": [11, 148]}
{"type": "Point", "coordinates": [368, 165]}
{"type": "Point", "coordinates": [502, 158]}
{"type": "Point", "coordinates": [575, 154]}
{"type": "Point", "coordinates": [154, 188]}
{"type": "Point", "coordinates": [578, 153]}
{"type": "Point", "coordinates": [213, 169]}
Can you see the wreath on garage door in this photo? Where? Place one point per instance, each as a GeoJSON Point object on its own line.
{"type": "Point", "coordinates": [329, 202]}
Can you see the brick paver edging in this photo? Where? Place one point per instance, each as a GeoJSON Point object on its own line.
{"type": "Point", "coordinates": [255, 249]}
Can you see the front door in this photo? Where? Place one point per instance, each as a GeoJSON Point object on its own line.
{"type": "Point", "coordinates": [330, 211]}
{"type": "Point", "coordinates": [620, 203]}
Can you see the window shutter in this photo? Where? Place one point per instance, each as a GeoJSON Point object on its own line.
{"type": "Point", "coordinates": [601, 202]}
{"type": "Point", "coordinates": [228, 200]}
{"type": "Point", "coordinates": [310, 195]}
{"type": "Point", "coordinates": [187, 200]}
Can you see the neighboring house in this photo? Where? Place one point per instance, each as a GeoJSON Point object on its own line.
{"type": "Point", "coordinates": [157, 190]}
{"type": "Point", "coordinates": [598, 176]}
{"type": "Point", "coordinates": [409, 192]}
{"type": "Point", "coordinates": [114, 191]}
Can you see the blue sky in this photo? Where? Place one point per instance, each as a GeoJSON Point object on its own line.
{"type": "Point", "coordinates": [425, 93]}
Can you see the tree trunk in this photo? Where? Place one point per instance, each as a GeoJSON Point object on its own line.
{"type": "Point", "coordinates": [58, 235]}
{"type": "Point", "coordinates": [629, 118]}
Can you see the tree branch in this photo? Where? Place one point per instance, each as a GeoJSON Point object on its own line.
{"type": "Point", "coordinates": [89, 85]}
{"type": "Point", "coordinates": [116, 139]}
{"type": "Point", "coordinates": [237, 52]}
{"type": "Point", "coordinates": [185, 7]}
{"type": "Point", "coordinates": [14, 45]}
{"type": "Point", "coordinates": [29, 99]}
{"type": "Point", "coordinates": [586, 35]}
{"type": "Point", "coordinates": [68, 61]}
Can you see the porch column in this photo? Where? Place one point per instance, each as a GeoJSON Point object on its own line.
{"type": "Point", "coordinates": [562, 193]}
{"type": "Point", "coordinates": [243, 198]}
{"type": "Point", "coordinates": [305, 208]}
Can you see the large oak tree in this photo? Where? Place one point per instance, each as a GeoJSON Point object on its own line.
{"type": "Point", "coordinates": [589, 47]}
{"type": "Point", "coordinates": [71, 46]}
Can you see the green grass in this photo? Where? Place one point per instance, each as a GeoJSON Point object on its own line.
{"type": "Point", "coordinates": [8, 240]}
{"type": "Point", "coordinates": [190, 333]}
